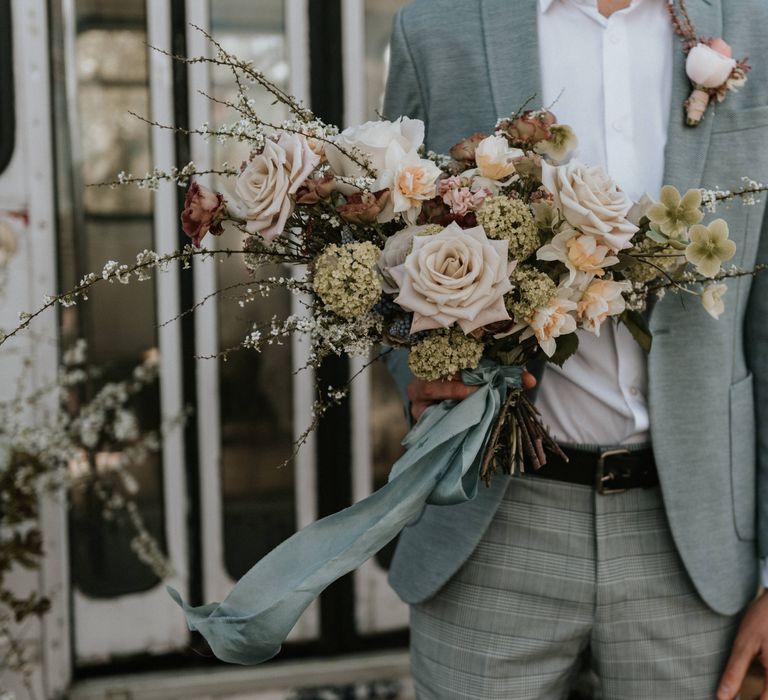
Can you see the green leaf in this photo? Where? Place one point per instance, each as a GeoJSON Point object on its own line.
{"type": "Point", "coordinates": [566, 346]}
{"type": "Point", "coordinates": [657, 236]}
{"type": "Point", "coordinates": [638, 327]}
{"type": "Point", "coordinates": [677, 245]}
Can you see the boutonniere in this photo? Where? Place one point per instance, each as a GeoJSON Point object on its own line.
{"type": "Point", "coordinates": [709, 64]}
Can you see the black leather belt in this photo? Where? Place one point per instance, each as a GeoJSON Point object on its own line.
{"type": "Point", "coordinates": [611, 471]}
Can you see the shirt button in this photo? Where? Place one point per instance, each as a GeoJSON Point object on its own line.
{"type": "Point", "coordinates": [618, 125]}
{"type": "Point", "coordinates": [634, 391]}
{"type": "Point", "coordinates": [613, 37]}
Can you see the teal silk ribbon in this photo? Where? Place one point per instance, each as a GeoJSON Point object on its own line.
{"type": "Point", "coordinates": [441, 466]}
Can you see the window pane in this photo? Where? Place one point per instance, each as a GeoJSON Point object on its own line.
{"type": "Point", "coordinates": [7, 113]}
{"type": "Point", "coordinates": [256, 395]}
{"type": "Point", "coordinates": [112, 224]}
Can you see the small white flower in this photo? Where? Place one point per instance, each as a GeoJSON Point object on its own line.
{"type": "Point", "coordinates": [712, 299]}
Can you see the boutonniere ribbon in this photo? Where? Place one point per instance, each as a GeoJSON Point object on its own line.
{"type": "Point", "coordinates": [710, 65]}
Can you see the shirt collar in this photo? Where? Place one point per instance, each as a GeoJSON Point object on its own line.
{"type": "Point", "coordinates": [544, 5]}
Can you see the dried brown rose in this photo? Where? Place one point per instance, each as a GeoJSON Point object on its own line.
{"type": "Point", "coordinates": [529, 128]}
{"type": "Point", "coordinates": [464, 151]}
{"type": "Point", "coordinates": [204, 210]}
{"type": "Point", "coordinates": [315, 190]}
{"type": "Point", "coordinates": [363, 207]}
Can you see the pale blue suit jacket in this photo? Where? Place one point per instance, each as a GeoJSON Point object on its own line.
{"type": "Point", "coordinates": [461, 64]}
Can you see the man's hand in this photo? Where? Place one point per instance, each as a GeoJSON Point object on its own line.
{"type": "Point", "coordinates": [423, 394]}
{"type": "Point", "coordinates": [751, 641]}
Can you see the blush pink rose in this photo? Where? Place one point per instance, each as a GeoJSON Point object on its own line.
{"type": "Point", "coordinates": [270, 179]}
{"type": "Point", "coordinates": [204, 210]}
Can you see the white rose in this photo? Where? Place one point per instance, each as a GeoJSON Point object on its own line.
{"type": "Point", "coordinates": [708, 68]}
{"type": "Point", "coordinates": [396, 249]}
{"type": "Point", "coordinates": [601, 299]}
{"type": "Point", "coordinates": [267, 182]}
{"type": "Point", "coordinates": [712, 299]}
{"type": "Point", "coordinates": [411, 180]}
{"type": "Point", "coordinates": [372, 140]}
{"type": "Point", "coordinates": [456, 276]}
{"type": "Point", "coordinates": [589, 200]}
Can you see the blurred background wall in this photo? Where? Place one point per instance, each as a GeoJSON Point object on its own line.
{"type": "Point", "coordinates": [212, 496]}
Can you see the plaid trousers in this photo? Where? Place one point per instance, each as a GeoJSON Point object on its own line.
{"type": "Point", "coordinates": [559, 570]}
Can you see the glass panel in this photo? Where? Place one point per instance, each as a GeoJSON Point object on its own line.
{"type": "Point", "coordinates": [112, 224]}
{"type": "Point", "coordinates": [7, 113]}
{"type": "Point", "coordinates": [388, 425]}
{"type": "Point", "coordinates": [256, 395]}
{"type": "Point", "coordinates": [378, 25]}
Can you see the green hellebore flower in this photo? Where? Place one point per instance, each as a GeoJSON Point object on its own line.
{"type": "Point", "coordinates": [673, 213]}
{"type": "Point", "coordinates": [710, 247]}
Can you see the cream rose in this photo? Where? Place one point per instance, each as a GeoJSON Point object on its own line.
{"type": "Point", "coordinates": [579, 252]}
{"type": "Point", "coordinates": [601, 299]}
{"type": "Point", "coordinates": [708, 68]}
{"type": "Point", "coordinates": [589, 200]}
{"type": "Point", "coordinates": [268, 181]}
{"type": "Point", "coordinates": [372, 140]}
{"type": "Point", "coordinates": [456, 276]}
{"type": "Point", "coordinates": [396, 249]}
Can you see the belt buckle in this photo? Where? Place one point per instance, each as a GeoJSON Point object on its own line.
{"type": "Point", "coordinates": [602, 479]}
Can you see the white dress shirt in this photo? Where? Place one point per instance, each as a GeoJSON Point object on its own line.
{"type": "Point", "coordinates": [611, 80]}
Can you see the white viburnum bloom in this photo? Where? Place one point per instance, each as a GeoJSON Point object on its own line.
{"type": "Point", "coordinates": [372, 140]}
{"type": "Point", "coordinates": [412, 180]}
{"type": "Point", "coordinates": [600, 300]}
{"type": "Point", "coordinates": [579, 252]}
{"type": "Point", "coordinates": [588, 199]}
{"type": "Point", "coordinates": [712, 299]}
{"type": "Point", "coordinates": [551, 321]}
{"type": "Point", "coordinates": [454, 277]}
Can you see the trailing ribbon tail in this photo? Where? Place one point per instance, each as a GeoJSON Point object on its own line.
{"type": "Point", "coordinates": [441, 466]}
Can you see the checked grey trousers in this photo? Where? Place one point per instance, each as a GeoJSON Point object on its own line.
{"type": "Point", "coordinates": [562, 568]}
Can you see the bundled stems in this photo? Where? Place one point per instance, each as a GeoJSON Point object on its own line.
{"type": "Point", "coordinates": [519, 426]}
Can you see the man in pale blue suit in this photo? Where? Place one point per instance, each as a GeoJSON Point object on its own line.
{"type": "Point", "coordinates": [507, 591]}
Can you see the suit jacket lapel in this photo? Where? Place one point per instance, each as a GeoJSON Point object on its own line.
{"type": "Point", "coordinates": [686, 150]}
{"type": "Point", "coordinates": [512, 53]}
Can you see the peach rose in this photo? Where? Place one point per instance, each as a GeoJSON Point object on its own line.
{"type": "Point", "coordinates": [601, 299]}
{"type": "Point", "coordinates": [579, 252]}
{"type": "Point", "coordinates": [412, 181]}
{"type": "Point", "coordinates": [495, 159]}
{"type": "Point", "coordinates": [551, 321]}
{"type": "Point", "coordinates": [456, 276]}
{"type": "Point", "coordinates": [269, 179]}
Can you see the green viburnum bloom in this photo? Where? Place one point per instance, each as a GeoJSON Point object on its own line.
{"type": "Point", "coordinates": [443, 353]}
{"type": "Point", "coordinates": [672, 214]}
{"type": "Point", "coordinates": [710, 247]}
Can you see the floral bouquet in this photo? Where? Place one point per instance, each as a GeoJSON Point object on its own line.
{"type": "Point", "coordinates": [478, 262]}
